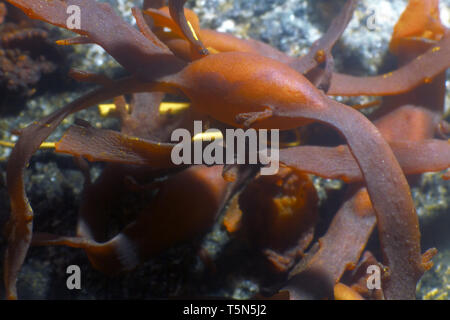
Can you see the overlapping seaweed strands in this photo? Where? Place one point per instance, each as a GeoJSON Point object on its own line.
{"type": "Point", "coordinates": [239, 83]}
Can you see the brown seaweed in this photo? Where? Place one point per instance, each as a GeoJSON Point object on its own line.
{"type": "Point", "coordinates": [243, 80]}
{"type": "Point", "coordinates": [404, 124]}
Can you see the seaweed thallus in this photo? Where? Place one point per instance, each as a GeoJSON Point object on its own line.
{"type": "Point", "coordinates": [230, 82]}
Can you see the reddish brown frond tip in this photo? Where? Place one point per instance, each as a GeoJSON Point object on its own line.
{"type": "Point", "coordinates": [426, 258]}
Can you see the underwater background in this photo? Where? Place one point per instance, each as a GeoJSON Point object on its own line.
{"type": "Point", "coordinates": [54, 183]}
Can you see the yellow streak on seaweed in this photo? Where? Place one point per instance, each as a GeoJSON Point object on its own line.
{"type": "Point", "coordinates": [435, 49]}
{"type": "Point", "coordinates": [208, 136]}
{"type": "Point", "coordinates": [63, 42]}
{"type": "Point", "coordinates": [165, 107]}
{"type": "Point", "coordinates": [173, 107]}
{"type": "Point", "coordinates": [192, 30]}
{"type": "Point", "coordinates": [106, 109]}
{"type": "Point", "coordinates": [212, 50]}
{"type": "Point", "coordinates": [44, 145]}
